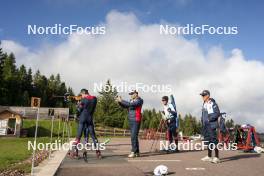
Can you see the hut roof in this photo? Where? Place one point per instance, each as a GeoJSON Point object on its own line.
{"type": "Point", "coordinates": [6, 109]}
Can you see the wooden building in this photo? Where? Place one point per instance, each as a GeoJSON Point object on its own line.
{"type": "Point", "coordinates": [10, 122]}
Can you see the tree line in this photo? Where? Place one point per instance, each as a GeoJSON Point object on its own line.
{"type": "Point", "coordinates": [19, 84]}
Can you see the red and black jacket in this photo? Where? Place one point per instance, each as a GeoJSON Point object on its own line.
{"type": "Point", "coordinates": [134, 108]}
{"type": "Point", "coordinates": [87, 107]}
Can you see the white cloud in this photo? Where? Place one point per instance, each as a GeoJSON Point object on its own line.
{"type": "Point", "coordinates": [134, 52]}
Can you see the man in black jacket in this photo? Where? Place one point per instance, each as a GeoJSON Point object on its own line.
{"type": "Point", "coordinates": [134, 107]}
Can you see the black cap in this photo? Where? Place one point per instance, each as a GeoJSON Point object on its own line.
{"type": "Point", "coordinates": [205, 92]}
{"type": "Point", "coordinates": [133, 92]}
{"type": "Point", "coordinates": [165, 98]}
{"type": "Point", "coordinates": [84, 91]}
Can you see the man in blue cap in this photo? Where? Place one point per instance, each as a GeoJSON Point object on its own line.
{"type": "Point", "coordinates": [210, 115]}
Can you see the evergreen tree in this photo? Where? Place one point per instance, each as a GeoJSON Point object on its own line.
{"type": "Point", "coordinates": [25, 99]}
{"type": "Point", "coordinates": [3, 90]}
{"type": "Point", "coordinates": [3, 57]}
{"type": "Point", "coordinates": [151, 119]}
{"type": "Point", "coordinates": [188, 125]}
{"type": "Point", "coordinates": [181, 123]}
{"type": "Point", "coordinates": [108, 112]}
{"type": "Point", "coordinates": [17, 85]}
{"type": "Point", "coordinates": [9, 78]}
{"type": "Point", "coordinates": [230, 123]}
{"type": "Point", "coordinates": [40, 88]}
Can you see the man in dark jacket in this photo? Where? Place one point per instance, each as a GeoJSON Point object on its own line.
{"type": "Point", "coordinates": [86, 109]}
{"type": "Point", "coordinates": [134, 107]}
{"type": "Point", "coordinates": [210, 115]}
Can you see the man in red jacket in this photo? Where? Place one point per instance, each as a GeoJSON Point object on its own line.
{"type": "Point", "coordinates": [134, 107]}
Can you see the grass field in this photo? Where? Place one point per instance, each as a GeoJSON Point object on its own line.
{"type": "Point", "coordinates": [44, 128]}
{"type": "Point", "coordinates": [14, 150]}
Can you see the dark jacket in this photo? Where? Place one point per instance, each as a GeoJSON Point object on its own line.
{"type": "Point", "coordinates": [87, 107]}
{"type": "Point", "coordinates": [210, 114]}
{"type": "Point", "coordinates": [174, 120]}
{"type": "Point", "coordinates": [134, 108]}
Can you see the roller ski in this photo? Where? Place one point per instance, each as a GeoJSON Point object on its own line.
{"type": "Point", "coordinates": [85, 158]}
{"type": "Point", "coordinates": [98, 154]}
{"type": "Point", "coordinates": [74, 152]}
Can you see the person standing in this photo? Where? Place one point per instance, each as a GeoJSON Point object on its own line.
{"type": "Point", "coordinates": [86, 108]}
{"type": "Point", "coordinates": [134, 107]}
{"type": "Point", "coordinates": [171, 119]}
{"type": "Point", "coordinates": [210, 115]}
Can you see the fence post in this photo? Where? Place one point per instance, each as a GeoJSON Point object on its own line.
{"type": "Point", "coordinates": [59, 128]}
{"type": "Point", "coordinates": [63, 128]}
{"type": "Point", "coordinates": [35, 144]}
{"type": "Point", "coordinates": [51, 134]}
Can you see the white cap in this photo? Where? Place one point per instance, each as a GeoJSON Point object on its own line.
{"type": "Point", "coordinates": [160, 170]}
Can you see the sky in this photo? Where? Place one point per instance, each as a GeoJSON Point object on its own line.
{"type": "Point", "coordinates": [132, 50]}
{"type": "Point", "coordinates": [246, 15]}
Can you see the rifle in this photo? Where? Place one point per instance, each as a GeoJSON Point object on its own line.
{"type": "Point", "coordinates": [67, 97]}
{"type": "Point", "coordinates": [173, 102]}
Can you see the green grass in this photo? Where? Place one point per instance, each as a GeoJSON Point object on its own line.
{"type": "Point", "coordinates": [44, 128]}
{"type": "Point", "coordinates": [14, 150]}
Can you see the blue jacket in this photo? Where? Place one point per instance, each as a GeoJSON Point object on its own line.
{"type": "Point", "coordinates": [134, 108]}
{"type": "Point", "coordinates": [210, 114]}
{"type": "Point", "coordinates": [86, 108]}
{"type": "Point", "coordinates": [176, 119]}
{"type": "Point", "coordinates": [173, 116]}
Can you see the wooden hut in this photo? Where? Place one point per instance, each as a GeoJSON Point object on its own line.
{"type": "Point", "coordinates": [10, 123]}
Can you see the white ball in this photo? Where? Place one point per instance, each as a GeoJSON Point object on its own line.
{"type": "Point", "coordinates": [160, 170]}
{"type": "Point", "coordinates": [258, 149]}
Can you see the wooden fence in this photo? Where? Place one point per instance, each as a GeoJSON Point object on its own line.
{"type": "Point", "coordinates": [143, 134]}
